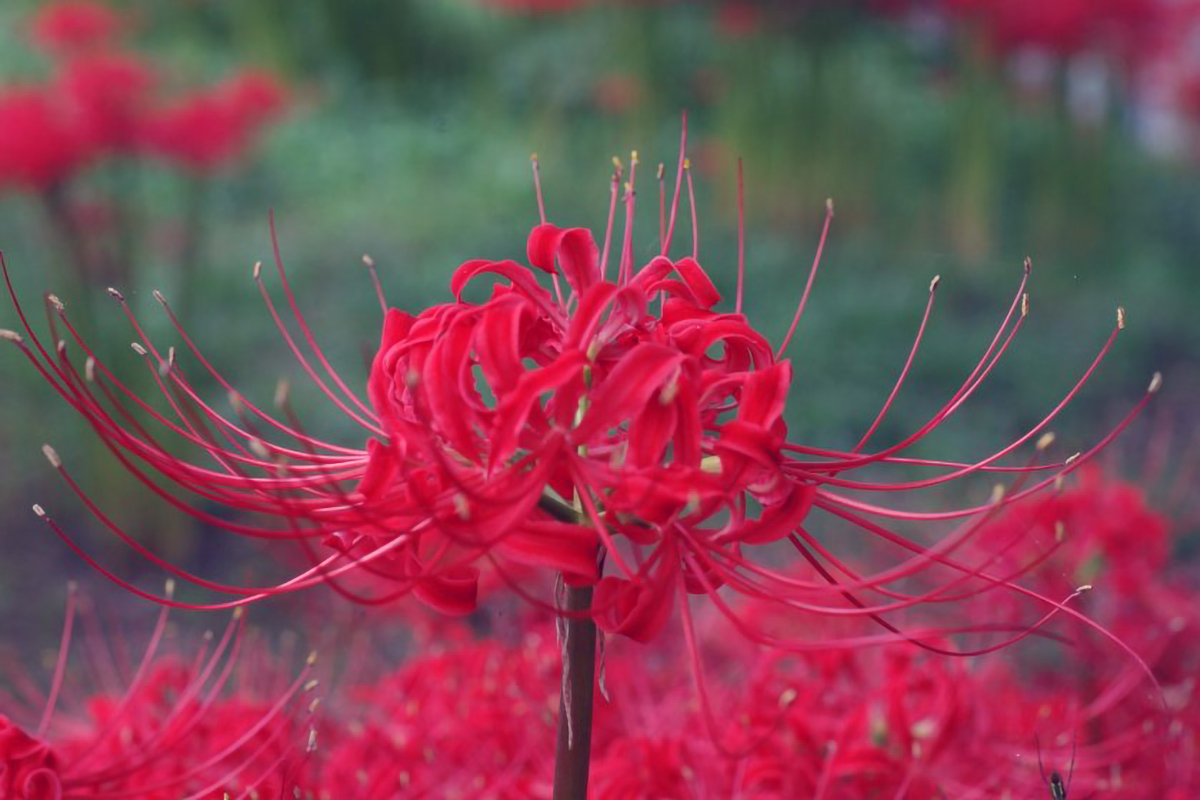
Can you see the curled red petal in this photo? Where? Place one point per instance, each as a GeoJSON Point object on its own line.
{"type": "Point", "coordinates": [516, 407]}
{"type": "Point", "coordinates": [580, 258]}
{"type": "Point", "coordinates": [382, 470]}
{"type": "Point", "coordinates": [519, 276]}
{"type": "Point", "coordinates": [542, 246]}
{"type": "Point", "coordinates": [629, 386]}
{"type": "Point", "coordinates": [636, 609]}
{"type": "Point", "coordinates": [454, 592]}
{"type": "Point", "coordinates": [778, 519]}
{"type": "Point", "coordinates": [559, 546]}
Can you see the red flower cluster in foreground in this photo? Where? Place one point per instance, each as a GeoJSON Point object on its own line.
{"type": "Point", "coordinates": [102, 100]}
{"type": "Point", "coordinates": [217, 723]}
{"type": "Point", "coordinates": [472, 720]}
{"type": "Point", "coordinates": [607, 423]}
{"type": "Point", "coordinates": [846, 723]}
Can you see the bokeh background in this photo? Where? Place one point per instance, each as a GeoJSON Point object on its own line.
{"type": "Point", "coordinates": [956, 137]}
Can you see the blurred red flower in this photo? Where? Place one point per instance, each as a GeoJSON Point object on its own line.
{"type": "Point", "coordinates": [470, 722]}
{"type": "Point", "coordinates": [41, 143]}
{"type": "Point", "coordinates": [103, 101]}
{"type": "Point", "coordinates": [213, 126]}
{"type": "Point", "coordinates": [108, 94]}
{"type": "Point", "coordinates": [70, 26]}
{"type": "Point", "coordinates": [182, 724]}
{"type": "Point", "coordinates": [1062, 26]}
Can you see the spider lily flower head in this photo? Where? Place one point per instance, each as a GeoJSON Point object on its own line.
{"type": "Point", "coordinates": [174, 724]}
{"type": "Point", "coordinates": [609, 421]}
{"type": "Point", "coordinates": [107, 94]}
{"type": "Point", "coordinates": [72, 26]}
{"type": "Point", "coordinates": [210, 127]}
{"type": "Point", "coordinates": [1095, 529]}
{"type": "Point", "coordinates": [40, 144]}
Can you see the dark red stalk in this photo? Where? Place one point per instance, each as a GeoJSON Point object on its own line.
{"type": "Point", "coordinates": [573, 755]}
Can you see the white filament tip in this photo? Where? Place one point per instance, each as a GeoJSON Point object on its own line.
{"type": "Point", "coordinates": [10, 336]}
{"type": "Point", "coordinates": [1155, 383]}
{"type": "Point", "coordinates": [52, 456]}
{"type": "Point", "coordinates": [1045, 441]}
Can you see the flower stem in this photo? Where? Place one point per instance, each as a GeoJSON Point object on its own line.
{"type": "Point", "coordinates": [573, 756]}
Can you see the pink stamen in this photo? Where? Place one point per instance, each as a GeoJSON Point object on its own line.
{"type": "Point", "coordinates": [812, 274]}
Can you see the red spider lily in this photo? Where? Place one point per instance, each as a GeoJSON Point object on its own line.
{"type": "Point", "coordinates": [108, 93]}
{"type": "Point", "coordinates": [173, 730]}
{"type": "Point", "coordinates": [1099, 529]}
{"type": "Point", "coordinates": [848, 723]}
{"type": "Point", "coordinates": [1064, 26]}
{"type": "Point", "coordinates": [618, 430]}
{"type": "Point", "coordinates": [40, 144]}
{"type": "Point", "coordinates": [74, 26]}
{"type": "Point", "coordinates": [102, 101]}
{"type": "Point", "coordinates": [211, 127]}
{"type": "Point", "coordinates": [1102, 530]}
{"type": "Point", "coordinates": [471, 722]}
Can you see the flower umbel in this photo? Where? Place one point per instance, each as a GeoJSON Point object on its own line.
{"type": "Point", "coordinates": [173, 724]}
{"type": "Point", "coordinates": [597, 418]}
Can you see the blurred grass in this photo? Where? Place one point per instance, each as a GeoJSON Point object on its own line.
{"type": "Point", "coordinates": [410, 137]}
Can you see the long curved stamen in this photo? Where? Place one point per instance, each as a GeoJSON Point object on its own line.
{"type": "Point", "coordinates": [812, 274]}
